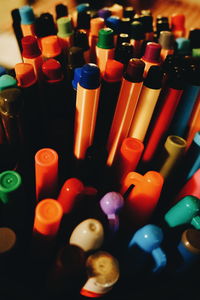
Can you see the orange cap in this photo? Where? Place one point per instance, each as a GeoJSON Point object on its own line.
{"type": "Point", "coordinates": [46, 173]}
{"type": "Point", "coordinates": [50, 46]}
{"type": "Point", "coordinates": [113, 71]}
{"type": "Point", "coordinates": [25, 75]}
{"type": "Point", "coordinates": [48, 215]}
{"type": "Point", "coordinates": [95, 25]}
{"type": "Point", "coordinates": [72, 189]}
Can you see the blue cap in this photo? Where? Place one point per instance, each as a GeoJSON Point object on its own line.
{"type": "Point", "coordinates": [27, 15]}
{"type": "Point", "coordinates": [183, 46]}
{"type": "Point", "coordinates": [90, 76]}
{"type": "Point", "coordinates": [77, 75]}
{"type": "Point", "coordinates": [82, 7]}
{"type": "Point", "coordinates": [2, 71]}
{"type": "Point", "coordinates": [197, 138]}
{"type": "Point", "coordinates": [113, 22]}
{"type": "Point", "coordinates": [7, 81]}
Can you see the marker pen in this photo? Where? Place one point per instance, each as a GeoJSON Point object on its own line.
{"type": "Point", "coordinates": [191, 187]}
{"type": "Point", "coordinates": [171, 155]}
{"type": "Point", "coordinates": [79, 8]}
{"type": "Point", "coordinates": [129, 157]}
{"type": "Point", "coordinates": [16, 25]}
{"type": "Point", "coordinates": [146, 103]}
{"type": "Point", "coordinates": [95, 25]}
{"type": "Point", "coordinates": [193, 125]}
{"type": "Point", "coordinates": [162, 25]}
{"type": "Point", "coordinates": [44, 26]}
{"type": "Point", "coordinates": [47, 219]}
{"type": "Point", "coordinates": [104, 48]}
{"type": "Point", "coordinates": [143, 198]}
{"type": "Point", "coordinates": [186, 211]}
{"type": "Point", "coordinates": [46, 162]}
{"type": "Point", "coordinates": [177, 23]}
{"type": "Point", "coordinates": [124, 53]}
{"type": "Point", "coordinates": [151, 56]}
{"type": "Point", "coordinates": [125, 25]}
{"type": "Point", "coordinates": [183, 46]}
{"type": "Point", "coordinates": [128, 12]}
{"type": "Point", "coordinates": [122, 38]}
{"type": "Point", "coordinates": [65, 33]}
{"type": "Point", "coordinates": [187, 101]}
{"type": "Point", "coordinates": [117, 10]}
{"type": "Point", "coordinates": [167, 42]}
{"type": "Point", "coordinates": [86, 109]}
{"type": "Point", "coordinates": [113, 22]}
{"type": "Point", "coordinates": [88, 235]}
{"type": "Point", "coordinates": [104, 13]}
{"type": "Point", "coordinates": [103, 273]}
{"type": "Point", "coordinates": [147, 21]}
{"type": "Point", "coordinates": [83, 21]}
{"type": "Point", "coordinates": [75, 59]}
{"type": "Point", "coordinates": [81, 40]}
{"type": "Point", "coordinates": [110, 86]}
{"type": "Point", "coordinates": [126, 105]}
{"type": "Point", "coordinates": [31, 54]}
{"type": "Point", "coordinates": [194, 35]}
{"type": "Point", "coordinates": [165, 114]}
{"type": "Point", "coordinates": [137, 37]}
{"type": "Point", "coordinates": [61, 10]}
{"type": "Point", "coordinates": [27, 20]}
{"type": "Point", "coordinates": [52, 49]}
{"type": "Point", "coordinates": [7, 81]}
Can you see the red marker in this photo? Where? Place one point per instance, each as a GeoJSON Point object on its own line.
{"type": "Point", "coordinates": [178, 25]}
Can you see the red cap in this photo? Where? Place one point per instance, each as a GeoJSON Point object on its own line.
{"type": "Point", "coordinates": [177, 21]}
{"type": "Point", "coordinates": [50, 46]}
{"type": "Point", "coordinates": [152, 52]}
{"type": "Point", "coordinates": [52, 70]}
{"type": "Point", "coordinates": [30, 47]}
{"type": "Point", "coordinates": [113, 71]}
{"type": "Point", "coordinates": [25, 75]}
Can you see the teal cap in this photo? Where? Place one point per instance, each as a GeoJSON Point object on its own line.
{"type": "Point", "coordinates": [106, 38]}
{"type": "Point", "coordinates": [64, 27]}
{"type": "Point", "coordinates": [10, 181]}
{"type": "Point", "coordinates": [183, 46]}
{"type": "Point", "coordinates": [186, 211]}
{"type": "Point", "coordinates": [27, 15]}
{"type": "Point", "coordinates": [7, 81]}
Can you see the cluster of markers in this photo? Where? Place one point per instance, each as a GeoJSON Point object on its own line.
{"type": "Point", "coordinates": [100, 127]}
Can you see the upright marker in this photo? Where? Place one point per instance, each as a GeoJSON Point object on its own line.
{"type": "Point", "coordinates": [147, 21]}
{"type": "Point", "coordinates": [65, 33]}
{"type": "Point", "coordinates": [113, 22]}
{"type": "Point", "coordinates": [81, 41]}
{"type": "Point", "coordinates": [27, 20]}
{"type": "Point", "coordinates": [104, 13]}
{"type": "Point", "coordinates": [183, 46]}
{"type": "Point", "coordinates": [44, 26]}
{"type": "Point", "coordinates": [83, 21]}
{"type": "Point", "coordinates": [137, 37]}
{"type": "Point", "coordinates": [167, 42]}
{"type": "Point", "coordinates": [75, 59]}
{"type": "Point", "coordinates": [177, 22]}
{"type": "Point", "coordinates": [117, 10]}
{"type": "Point", "coordinates": [7, 81]}
{"type": "Point", "coordinates": [95, 25]}
{"type": "Point", "coordinates": [16, 25]}
{"type": "Point", "coordinates": [124, 53]}
{"type": "Point", "coordinates": [129, 12]}
{"type": "Point", "coordinates": [194, 37]}
{"type": "Point", "coordinates": [52, 49]}
{"type": "Point", "coordinates": [151, 56]}
{"type": "Point", "coordinates": [61, 10]}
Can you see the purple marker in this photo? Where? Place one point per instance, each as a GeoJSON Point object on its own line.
{"type": "Point", "coordinates": [111, 203]}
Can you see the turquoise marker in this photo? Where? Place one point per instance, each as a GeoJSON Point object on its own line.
{"type": "Point", "coordinates": [7, 81]}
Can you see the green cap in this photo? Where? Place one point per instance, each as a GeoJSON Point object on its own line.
{"type": "Point", "coordinates": [106, 38]}
{"type": "Point", "coordinates": [64, 27]}
{"type": "Point", "coordinates": [7, 81]}
{"type": "Point", "coordinates": [196, 52]}
{"type": "Point", "coordinates": [10, 182]}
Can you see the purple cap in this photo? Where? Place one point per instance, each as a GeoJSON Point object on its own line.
{"type": "Point", "coordinates": [104, 13]}
{"type": "Point", "coordinates": [111, 203]}
{"type": "Point", "coordinates": [152, 52]}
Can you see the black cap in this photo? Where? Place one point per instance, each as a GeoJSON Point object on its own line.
{"type": "Point", "coordinates": [162, 18]}
{"type": "Point", "coordinates": [75, 57]}
{"type": "Point", "coordinates": [192, 66]}
{"type": "Point", "coordinates": [122, 38]}
{"type": "Point", "coordinates": [83, 20]}
{"type": "Point", "coordinates": [16, 16]}
{"type": "Point", "coordinates": [194, 37]}
{"type": "Point", "coordinates": [134, 70]}
{"type": "Point", "coordinates": [125, 25]}
{"type": "Point", "coordinates": [129, 12]}
{"type": "Point", "coordinates": [177, 78]}
{"type": "Point", "coordinates": [81, 40]}
{"type": "Point", "coordinates": [44, 25]}
{"type": "Point", "coordinates": [124, 53]}
{"type": "Point", "coordinates": [61, 11]}
{"type": "Point", "coordinates": [147, 22]}
{"type": "Point", "coordinates": [153, 79]}
{"type": "Point", "coordinates": [137, 31]}
{"type": "Point", "coordinates": [162, 26]}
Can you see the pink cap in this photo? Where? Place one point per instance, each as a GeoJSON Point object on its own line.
{"type": "Point", "coordinates": [152, 52]}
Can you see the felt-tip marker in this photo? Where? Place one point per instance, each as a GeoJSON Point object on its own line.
{"type": "Point", "coordinates": [27, 20]}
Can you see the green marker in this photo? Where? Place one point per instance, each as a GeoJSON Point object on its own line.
{"type": "Point", "coordinates": [186, 211]}
{"type": "Point", "coordinates": [10, 184]}
{"type": "Point", "coordinates": [7, 81]}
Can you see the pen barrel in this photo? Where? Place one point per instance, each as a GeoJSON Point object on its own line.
{"type": "Point", "coordinates": [102, 55]}
{"type": "Point", "coordinates": [144, 111]}
{"type": "Point", "coordinates": [85, 119]}
{"type": "Point", "coordinates": [28, 29]}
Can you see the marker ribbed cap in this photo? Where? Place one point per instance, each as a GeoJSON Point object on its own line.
{"type": "Point", "coordinates": [27, 15]}
{"type": "Point", "coordinates": [64, 27]}
{"type": "Point", "coordinates": [106, 38]}
{"type": "Point", "coordinates": [90, 76]}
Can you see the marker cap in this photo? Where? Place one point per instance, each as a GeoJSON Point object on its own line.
{"type": "Point", "coordinates": [48, 215]}
{"type": "Point", "coordinates": [106, 38]}
{"type": "Point", "coordinates": [30, 47]}
{"type": "Point", "coordinates": [95, 25]}
{"type": "Point", "coordinates": [27, 15]}
{"type": "Point", "coordinates": [166, 40]}
{"type": "Point", "coordinates": [46, 158]}
{"type": "Point", "coordinates": [194, 37]}
{"type": "Point", "coordinates": [129, 12]}
{"type": "Point", "coordinates": [152, 52]}
{"type": "Point", "coordinates": [52, 70]}
{"type": "Point", "coordinates": [183, 46]}
{"type": "Point", "coordinates": [10, 181]}
{"type": "Point", "coordinates": [137, 31]}
{"type": "Point", "coordinates": [81, 40]}
{"type": "Point", "coordinates": [131, 149]}
{"type": "Point", "coordinates": [83, 20]}
{"type": "Point", "coordinates": [113, 22]}
{"type": "Point", "coordinates": [7, 240]}
{"type": "Point", "coordinates": [177, 21]}
{"type": "Point", "coordinates": [177, 78]}
{"type": "Point", "coordinates": [64, 27]}
{"type": "Point", "coordinates": [25, 75]}
{"type": "Point", "coordinates": [134, 71]}
{"type": "Point", "coordinates": [11, 101]}
{"type": "Point", "coordinates": [104, 13]}
{"type": "Point", "coordinates": [83, 7]}
{"type": "Point", "coordinates": [122, 38]}
{"type": "Point", "coordinates": [147, 21]}
{"type": "Point", "coordinates": [191, 240]}
{"type": "Point", "coordinates": [45, 26]}
{"type": "Point", "coordinates": [2, 71]}
{"type": "Point", "coordinates": [90, 76]}
{"type": "Point", "coordinates": [125, 25]}
{"type": "Point", "coordinates": [7, 81]}
{"type": "Point", "coordinates": [124, 52]}
{"type": "Point", "coordinates": [61, 10]}
{"type": "Point", "coordinates": [77, 75]}
{"type": "Point", "coordinates": [50, 46]}
{"type": "Point", "coordinates": [75, 57]}
{"type": "Point", "coordinates": [113, 71]}
{"type": "Point", "coordinates": [162, 25]}
{"type": "Point", "coordinates": [154, 78]}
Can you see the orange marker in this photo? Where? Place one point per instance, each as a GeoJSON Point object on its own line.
{"type": "Point", "coordinates": [117, 10]}
{"type": "Point", "coordinates": [194, 123]}
{"type": "Point", "coordinates": [70, 192]}
{"type": "Point", "coordinates": [178, 25]}
{"type": "Point", "coordinates": [95, 25]}
{"type": "Point", "coordinates": [31, 54]}
{"type": "Point", "coordinates": [51, 48]}
{"type": "Point", "coordinates": [129, 156]}
{"type": "Point", "coordinates": [27, 20]}
{"type": "Point", "coordinates": [126, 104]}
{"type": "Point", "coordinates": [87, 100]}
{"type": "Point", "coordinates": [105, 48]}
{"type": "Point", "coordinates": [144, 197]}
{"type": "Point", "coordinates": [46, 173]}
{"type": "Point", "coordinates": [151, 56]}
